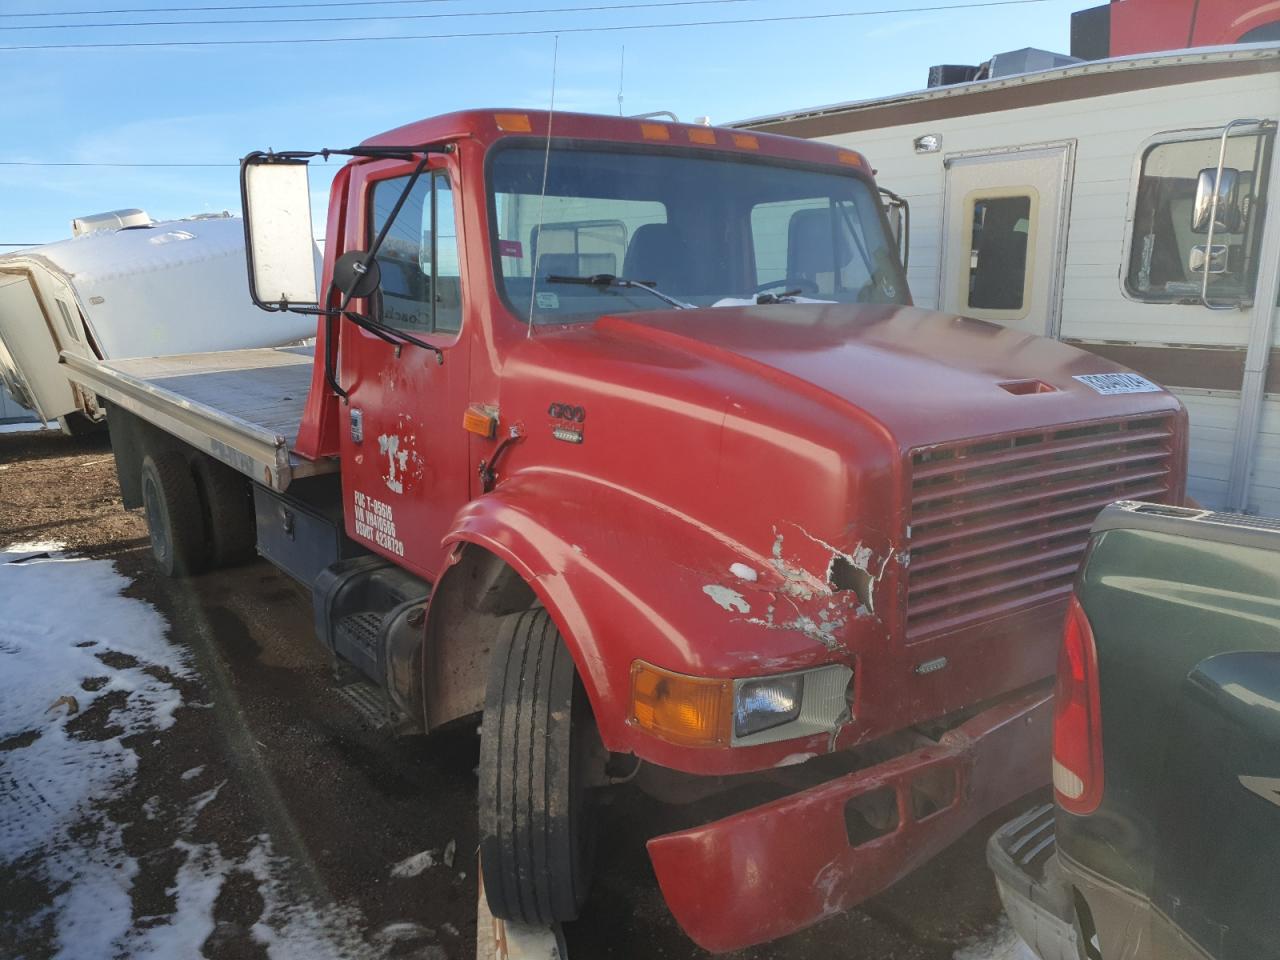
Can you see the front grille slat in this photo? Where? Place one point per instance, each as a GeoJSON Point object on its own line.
{"type": "Point", "coordinates": [930, 469]}
{"type": "Point", "coordinates": [999, 524]}
{"type": "Point", "coordinates": [1004, 585]}
{"type": "Point", "coordinates": [1016, 561]}
{"type": "Point", "coordinates": [1089, 506]}
{"type": "Point", "coordinates": [968, 550]}
{"type": "Point", "coordinates": [1037, 494]}
{"type": "Point", "coordinates": [989, 483]}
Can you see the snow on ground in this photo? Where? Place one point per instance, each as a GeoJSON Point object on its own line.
{"type": "Point", "coordinates": [69, 639]}
{"type": "Point", "coordinates": [1001, 944]}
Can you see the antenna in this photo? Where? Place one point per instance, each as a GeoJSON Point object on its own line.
{"type": "Point", "coordinates": [542, 199]}
{"type": "Point", "coordinates": [622, 69]}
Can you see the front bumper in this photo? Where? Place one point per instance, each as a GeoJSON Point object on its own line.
{"type": "Point", "coordinates": [783, 866]}
{"type": "Point", "coordinates": [1036, 899]}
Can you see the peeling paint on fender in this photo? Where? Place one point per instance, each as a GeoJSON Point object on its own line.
{"type": "Point", "coordinates": [731, 600]}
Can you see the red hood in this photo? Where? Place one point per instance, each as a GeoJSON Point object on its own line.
{"type": "Point", "coordinates": [927, 377]}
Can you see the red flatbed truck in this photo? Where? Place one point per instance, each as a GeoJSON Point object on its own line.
{"type": "Point", "coordinates": [626, 436]}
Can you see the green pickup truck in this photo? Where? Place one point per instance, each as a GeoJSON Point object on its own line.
{"type": "Point", "coordinates": [1164, 838]}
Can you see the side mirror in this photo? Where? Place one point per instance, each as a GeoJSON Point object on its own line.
{"type": "Point", "coordinates": [893, 214]}
{"type": "Point", "coordinates": [353, 277]}
{"type": "Point", "coordinates": [898, 214]}
{"type": "Point", "coordinates": [279, 243]}
{"type": "Point", "coordinates": [1213, 260]}
{"type": "Point", "coordinates": [1229, 217]}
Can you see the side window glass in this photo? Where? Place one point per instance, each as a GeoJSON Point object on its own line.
{"type": "Point", "coordinates": [421, 279]}
{"type": "Point", "coordinates": [447, 275]}
{"type": "Point", "coordinates": [1001, 228]}
{"type": "Point", "coordinates": [1168, 250]}
{"type": "Point", "coordinates": [819, 247]}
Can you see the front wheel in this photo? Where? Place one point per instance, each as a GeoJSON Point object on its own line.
{"type": "Point", "coordinates": [536, 830]}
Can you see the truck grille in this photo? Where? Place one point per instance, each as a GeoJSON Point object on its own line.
{"type": "Point", "coordinates": [1000, 523]}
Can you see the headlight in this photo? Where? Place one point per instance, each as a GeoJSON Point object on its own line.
{"type": "Point", "coordinates": [766, 703]}
{"type": "Point", "coordinates": [709, 712]}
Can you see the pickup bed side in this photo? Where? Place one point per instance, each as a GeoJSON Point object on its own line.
{"type": "Point", "coordinates": [1182, 856]}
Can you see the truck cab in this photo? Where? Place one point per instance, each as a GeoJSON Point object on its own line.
{"type": "Point", "coordinates": [625, 436]}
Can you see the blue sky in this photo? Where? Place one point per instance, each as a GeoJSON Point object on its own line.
{"type": "Point", "coordinates": [213, 104]}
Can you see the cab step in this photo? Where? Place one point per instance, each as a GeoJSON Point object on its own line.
{"type": "Point", "coordinates": [368, 700]}
{"type": "Point", "coordinates": [370, 615]}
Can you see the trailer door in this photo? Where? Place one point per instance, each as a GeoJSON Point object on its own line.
{"type": "Point", "coordinates": [29, 350]}
{"type": "Point", "coordinates": [1004, 235]}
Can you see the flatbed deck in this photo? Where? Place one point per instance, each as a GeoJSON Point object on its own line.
{"type": "Point", "coordinates": [242, 407]}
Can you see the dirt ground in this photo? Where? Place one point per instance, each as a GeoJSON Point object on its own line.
{"type": "Point", "coordinates": [343, 803]}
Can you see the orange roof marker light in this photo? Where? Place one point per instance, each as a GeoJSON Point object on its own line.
{"type": "Point", "coordinates": [655, 131]}
{"type": "Point", "coordinates": [851, 158]}
{"type": "Point", "coordinates": [746, 141]}
{"type": "Point", "coordinates": [513, 122]}
{"type": "Point", "coordinates": [702, 135]}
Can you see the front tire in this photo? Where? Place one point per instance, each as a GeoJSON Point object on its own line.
{"type": "Point", "coordinates": [174, 518]}
{"type": "Point", "coordinates": [536, 830]}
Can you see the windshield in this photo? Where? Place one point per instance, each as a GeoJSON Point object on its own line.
{"type": "Point", "coordinates": [706, 230]}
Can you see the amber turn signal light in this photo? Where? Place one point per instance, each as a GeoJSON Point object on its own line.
{"type": "Point", "coordinates": [482, 421]}
{"type": "Point", "coordinates": [691, 711]}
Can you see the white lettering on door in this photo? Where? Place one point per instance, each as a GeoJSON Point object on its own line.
{"type": "Point", "coordinates": [375, 522]}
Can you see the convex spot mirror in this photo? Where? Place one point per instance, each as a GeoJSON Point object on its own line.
{"type": "Point", "coordinates": [1214, 261]}
{"type": "Point", "coordinates": [353, 277]}
{"type": "Point", "coordinates": [279, 241]}
{"type": "Point", "coordinates": [1229, 216]}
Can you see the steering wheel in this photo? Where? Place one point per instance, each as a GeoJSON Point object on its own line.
{"type": "Point", "coordinates": [804, 285]}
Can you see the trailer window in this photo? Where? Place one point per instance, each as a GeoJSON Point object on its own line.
{"type": "Point", "coordinates": [706, 230]}
{"type": "Point", "coordinates": [421, 285]}
{"type": "Point", "coordinates": [1165, 242]}
{"type": "Point", "coordinates": [1000, 227]}
{"type": "Point", "coordinates": [66, 320]}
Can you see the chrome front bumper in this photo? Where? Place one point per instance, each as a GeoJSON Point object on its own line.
{"type": "Point", "coordinates": [1037, 900]}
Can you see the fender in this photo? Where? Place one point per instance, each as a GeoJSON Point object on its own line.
{"type": "Point", "coordinates": [624, 579]}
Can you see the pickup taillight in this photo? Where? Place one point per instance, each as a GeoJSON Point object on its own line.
{"type": "Point", "coordinates": [1077, 717]}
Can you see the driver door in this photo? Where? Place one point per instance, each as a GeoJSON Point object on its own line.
{"type": "Point", "coordinates": [403, 448]}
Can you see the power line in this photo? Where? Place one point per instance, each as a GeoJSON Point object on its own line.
{"type": "Point", "coordinates": [368, 19]}
{"type": "Point", "coordinates": [235, 6]}
{"type": "Point", "coordinates": [94, 163]}
{"type": "Point", "coordinates": [516, 33]}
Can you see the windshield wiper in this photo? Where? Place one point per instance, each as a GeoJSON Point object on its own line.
{"type": "Point", "coordinates": [604, 280]}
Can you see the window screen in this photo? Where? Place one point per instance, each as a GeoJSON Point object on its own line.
{"type": "Point", "coordinates": [1166, 241]}
{"type": "Point", "coordinates": [998, 252]}
{"type": "Point", "coordinates": [421, 285]}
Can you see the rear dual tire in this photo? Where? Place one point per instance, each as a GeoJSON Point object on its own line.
{"type": "Point", "coordinates": [199, 513]}
{"type": "Point", "coordinates": [174, 518]}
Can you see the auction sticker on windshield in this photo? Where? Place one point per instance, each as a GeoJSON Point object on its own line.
{"type": "Point", "coordinates": [1109, 384]}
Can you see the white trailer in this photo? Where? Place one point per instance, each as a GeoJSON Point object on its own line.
{"type": "Point", "coordinates": [126, 287]}
{"type": "Point", "coordinates": [1063, 202]}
